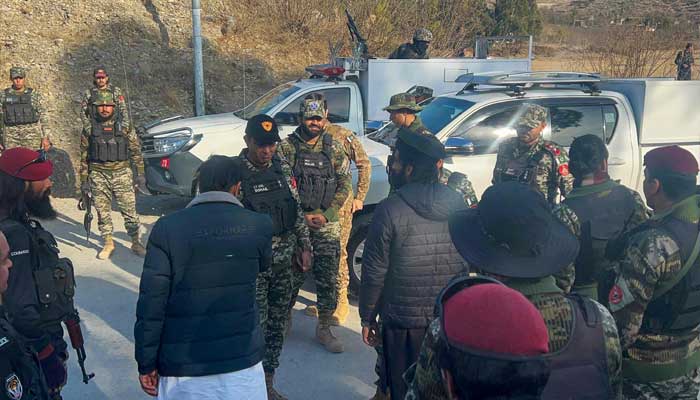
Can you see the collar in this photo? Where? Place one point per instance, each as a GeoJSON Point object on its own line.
{"type": "Point", "coordinates": [686, 210]}
{"type": "Point", "coordinates": [581, 191]}
{"type": "Point", "coordinates": [215, 197]}
{"type": "Point", "coordinates": [532, 287]}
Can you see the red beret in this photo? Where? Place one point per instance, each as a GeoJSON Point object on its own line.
{"type": "Point", "coordinates": [25, 164]}
{"type": "Point", "coordinates": [497, 319]}
{"type": "Point", "coordinates": [671, 159]}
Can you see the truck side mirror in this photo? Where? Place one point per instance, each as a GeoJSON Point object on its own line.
{"type": "Point", "coordinates": [458, 145]}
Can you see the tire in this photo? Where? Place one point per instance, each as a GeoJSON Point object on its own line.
{"type": "Point", "coordinates": [358, 234]}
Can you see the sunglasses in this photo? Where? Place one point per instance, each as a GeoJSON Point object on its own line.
{"type": "Point", "coordinates": [43, 157]}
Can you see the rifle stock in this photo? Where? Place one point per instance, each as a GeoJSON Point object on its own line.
{"type": "Point", "coordinates": [76, 339]}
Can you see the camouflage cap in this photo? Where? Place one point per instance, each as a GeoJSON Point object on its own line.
{"type": "Point", "coordinates": [532, 116]}
{"type": "Point", "coordinates": [423, 35]}
{"type": "Point", "coordinates": [104, 98]}
{"type": "Point", "coordinates": [17, 72]}
{"type": "Point", "coordinates": [403, 101]}
{"type": "Point", "coordinates": [313, 108]}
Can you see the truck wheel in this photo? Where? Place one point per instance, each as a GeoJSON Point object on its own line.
{"type": "Point", "coordinates": [356, 245]}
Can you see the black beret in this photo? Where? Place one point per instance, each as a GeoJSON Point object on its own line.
{"type": "Point", "coordinates": [263, 129]}
{"type": "Point", "coordinates": [423, 143]}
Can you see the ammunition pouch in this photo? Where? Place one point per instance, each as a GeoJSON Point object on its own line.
{"type": "Point", "coordinates": [267, 192]}
{"type": "Point", "coordinates": [18, 109]}
{"type": "Point", "coordinates": [315, 176]}
{"type": "Point", "coordinates": [107, 143]}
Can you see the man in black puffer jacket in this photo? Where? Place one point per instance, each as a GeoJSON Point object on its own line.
{"type": "Point", "coordinates": [197, 330]}
{"type": "Point", "coordinates": [408, 256]}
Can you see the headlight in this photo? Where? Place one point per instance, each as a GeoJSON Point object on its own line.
{"type": "Point", "coordinates": [171, 142]}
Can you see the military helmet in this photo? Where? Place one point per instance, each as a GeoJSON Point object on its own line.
{"type": "Point", "coordinates": [104, 98]}
{"type": "Point", "coordinates": [423, 35]}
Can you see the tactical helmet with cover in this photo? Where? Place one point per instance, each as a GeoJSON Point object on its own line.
{"type": "Point", "coordinates": [423, 35]}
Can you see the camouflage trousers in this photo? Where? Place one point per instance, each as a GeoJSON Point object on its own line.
{"type": "Point", "coordinates": [28, 136]}
{"type": "Point", "coordinates": [326, 245]}
{"type": "Point", "coordinates": [345, 221]}
{"type": "Point", "coordinates": [106, 184]}
{"type": "Point", "coordinates": [685, 387]}
{"type": "Point", "coordinates": [274, 292]}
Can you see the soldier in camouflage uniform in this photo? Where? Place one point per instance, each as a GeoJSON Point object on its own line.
{"type": "Point", "coordinates": [418, 49]}
{"type": "Point", "coordinates": [106, 151]}
{"type": "Point", "coordinates": [531, 160]}
{"type": "Point", "coordinates": [356, 154]}
{"type": "Point", "coordinates": [508, 212]}
{"type": "Point", "coordinates": [267, 186]}
{"type": "Point", "coordinates": [23, 118]}
{"type": "Point", "coordinates": [599, 210]}
{"type": "Point", "coordinates": [655, 297]}
{"type": "Point", "coordinates": [684, 63]}
{"type": "Point", "coordinates": [101, 84]}
{"type": "Point", "coordinates": [321, 170]}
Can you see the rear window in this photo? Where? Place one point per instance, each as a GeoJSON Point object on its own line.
{"type": "Point", "coordinates": [571, 121]}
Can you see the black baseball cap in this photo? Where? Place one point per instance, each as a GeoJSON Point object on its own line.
{"type": "Point", "coordinates": [263, 129]}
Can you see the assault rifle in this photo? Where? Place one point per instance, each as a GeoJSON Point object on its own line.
{"type": "Point", "coordinates": [72, 322]}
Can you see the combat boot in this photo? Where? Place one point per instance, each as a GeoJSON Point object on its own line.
{"type": "Point", "coordinates": [107, 248]}
{"type": "Point", "coordinates": [272, 394]}
{"type": "Point", "coordinates": [136, 246]}
{"type": "Point", "coordinates": [342, 309]}
{"type": "Point", "coordinates": [311, 311]}
{"type": "Point", "coordinates": [325, 336]}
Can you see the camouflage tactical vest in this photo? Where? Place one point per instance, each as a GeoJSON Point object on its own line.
{"type": "Point", "coordinates": [267, 192]}
{"type": "Point", "coordinates": [18, 108]}
{"type": "Point", "coordinates": [315, 175]}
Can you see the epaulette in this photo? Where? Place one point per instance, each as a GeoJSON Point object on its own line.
{"type": "Point", "coordinates": [560, 159]}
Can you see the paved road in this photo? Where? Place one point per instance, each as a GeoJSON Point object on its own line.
{"type": "Point", "coordinates": [106, 298]}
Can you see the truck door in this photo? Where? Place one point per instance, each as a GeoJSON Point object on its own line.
{"type": "Point", "coordinates": [339, 110]}
{"type": "Point", "coordinates": [477, 139]}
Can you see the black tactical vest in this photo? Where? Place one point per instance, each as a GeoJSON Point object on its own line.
{"type": "Point", "coordinates": [678, 310]}
{"type": "Point", "coordinates": [107, 143]}
{"type": "Point", "coordinates": [580, 369]}
{"type": "Point", "coordinates": [54, 279]}
{"type": "Point", "coordinates": [267, 192]}
{"type": "Point", "coordinates": [20, 370]}
{"type": "Point", "coordinates": [315, 175]}
{"type": "Point", "coordinates": [603, 217]}
{"type": "Point", "coordinates": [18, 109]}
{"type": "Point", "coordinates": [524, 170]}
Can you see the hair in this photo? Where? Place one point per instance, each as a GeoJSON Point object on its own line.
{"type": "Point", "coordinates": [586, 155]}
{"type": "Point", "coordinates": [688, 45]}
{"type": "Point", "coordinates": [12, 192]}
{"type": "Point", "coordinates": [479, 377]}
{"type": "Point", "coordinates": [675, 186]}
{"type": "Point", "coordinates": [219, 173]}
{"type": "Point", "coordinates": [425, 168]}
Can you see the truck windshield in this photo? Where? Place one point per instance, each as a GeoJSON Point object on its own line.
{"type": "Point", "coordinates": [265, 102]}
{"type": "Point", "coordinates": [440, 111]}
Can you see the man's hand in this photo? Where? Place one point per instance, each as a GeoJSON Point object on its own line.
{"type": "Point", "coordinates": [357, 205]}
{"type": "Point", "coordinates": [45, 144]}
{"type": "Point", "coordinates": [370, 335]}
{"type": "Point", "coordinates": [140, 184]}
{"type": "Point", "coordinates": [315, 221]}
{"type": "Point", "coordinates": [149, 383]}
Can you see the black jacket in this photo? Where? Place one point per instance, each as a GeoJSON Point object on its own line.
{"type": "Point", "coordinates": [21, 300]}
{"type": "Point", "coordinates": [196, 314]}
{"type": "Point", "coordinates": [409, 256]}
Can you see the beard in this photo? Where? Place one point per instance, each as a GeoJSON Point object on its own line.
{"type": "Point", "coordinates": [39, 205]}
{"type": "Point", "coordinates": [397, 179]}
{"type": "Point", "coordinates": [308, 134]}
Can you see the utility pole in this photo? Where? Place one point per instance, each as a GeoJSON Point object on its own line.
{"type": "Point", "coordinates": [198, 68]}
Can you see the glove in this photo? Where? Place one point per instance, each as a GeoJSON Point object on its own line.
{"type": "Point", "coordinates": [141, 185]}
{"type": "Point", "coordinates": [54, 368]}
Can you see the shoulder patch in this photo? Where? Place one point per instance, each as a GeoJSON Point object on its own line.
{"type": "Point", "coordinates": [619, 296]}
{"type": "Point", "coordinates": [13, 387]}
{"type": "Point", "coordinates": [564, 169]}
{"type": "Point", "coordinates": [121, 98]}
